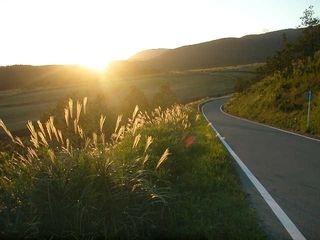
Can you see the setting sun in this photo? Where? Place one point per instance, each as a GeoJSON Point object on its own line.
{"type": "Point", "coordinates": [97, 66]}
{"type": "Point", "coordinates": [79, 32]}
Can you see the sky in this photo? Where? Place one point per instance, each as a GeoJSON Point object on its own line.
{"type": "Point", "coordinates": [95, 32]}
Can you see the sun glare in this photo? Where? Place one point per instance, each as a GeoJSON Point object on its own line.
{"type": "Point", "coordinates": [97, 66]}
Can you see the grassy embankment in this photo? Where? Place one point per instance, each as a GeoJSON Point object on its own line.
{"type": "Point", "coordinates": [163, 175]}
{"type": "Point", "coordinates": [282, 101]}
{"type": "Point", "coordinates": [18, 106]}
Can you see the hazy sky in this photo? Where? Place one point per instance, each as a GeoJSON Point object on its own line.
{"type": "Point", "coordinates": [94, 32]}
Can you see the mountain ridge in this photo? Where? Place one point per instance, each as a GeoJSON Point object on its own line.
{"type": "Point", "coordinates": [221, 52]}
{"type": "Point", "coordinates": [147, 54]}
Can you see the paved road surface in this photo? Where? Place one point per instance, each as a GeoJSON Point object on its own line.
{"type": "Point", "coordinates": [288, 166]}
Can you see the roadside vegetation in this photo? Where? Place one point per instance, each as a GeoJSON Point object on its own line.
{"type": "Point", "coordinates": [158, 175]}
{"type": "Point", "coordinates": [279, 95]}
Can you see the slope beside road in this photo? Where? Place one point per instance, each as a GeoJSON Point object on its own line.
{"type": "Point", "coordinates": [287, 165]}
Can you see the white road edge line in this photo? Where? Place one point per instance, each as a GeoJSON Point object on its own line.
{"type": "Point", "coordinates": [268, 126]}
{"type": "Point", "coordinates": [280, 214]}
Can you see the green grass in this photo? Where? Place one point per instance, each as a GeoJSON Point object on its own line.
{"type": "Point", "coordinates": [281, 101]}
{"type": "Point", "coordinates": [18, 106]}
{"type": "Point", "coordinates": [87, 187]}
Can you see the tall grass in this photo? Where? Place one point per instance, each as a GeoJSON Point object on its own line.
{"type": "Point", "coordinates": [281, 100]}
{"type": "Point", "coordinates": [67, 184]}
{"type": "Point", "coordinates": [159, 175]}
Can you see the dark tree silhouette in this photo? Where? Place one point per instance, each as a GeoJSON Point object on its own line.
{"type": "Point", "coordinates": [306, 47]}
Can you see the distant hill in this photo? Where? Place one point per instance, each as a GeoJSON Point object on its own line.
{"type": "Point", "coordinates": [27, 76]}
{"type": "Point", "coordinates": [217, 53]}
{"type": "Point", "coordinates": [226, 51]}
{"type": "Point", "coordinates": [148, 54]}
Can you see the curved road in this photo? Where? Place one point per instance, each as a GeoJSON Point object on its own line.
{"type": "Point", "coordinates": [287, 165]}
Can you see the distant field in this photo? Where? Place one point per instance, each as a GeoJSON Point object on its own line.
{"type": "Point", "coordinates": [194, 84]}
{"type": "Point", "coordinates": [18, 106]}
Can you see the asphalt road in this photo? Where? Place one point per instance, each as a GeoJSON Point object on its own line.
{"type": "Point", "coordinates": [288, 166]}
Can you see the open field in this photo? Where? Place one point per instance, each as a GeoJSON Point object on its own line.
{"type": "Point", "coordinates": [18, 106]}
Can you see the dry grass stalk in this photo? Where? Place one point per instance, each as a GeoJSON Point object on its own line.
{"type": "Point", "coordinates": [102, 120]}
{"type": "Point", "coordinates": [43, 139]}
{"type": "Point", "coordinates": [102, 137]}
{"type": "Point", "coordinates": [66, 116]}
{"type": "Point", "coordinates": [34, 135]}
{"type": "Point", "coordinates": [135, 126]}
{"type": "Point", "coordinates": [85, 100]}
{"type": "Point", "coordinates": [136, 140]}
{"type": "Point", "coordinates": [32, 153]}
{"type": "Point", "coordinates": [118, 123]}
{"type": "Point", "coordinates": [79, 107]}
{"type": "Point", "coordinates": [31, 129]}
{"type": "Point", "coordinates": [60, 136]}
{"type": "Point", "coordinates": [75, 126]}
{"type": "Point", "coordinates": [54, 130]}
{"type": "Point", "coordinates": [48, 127]}
{"type": "Point", "coordinates": [6, 129]}
{"type": "Point", "coordinates": [80, 132]}
{"type": "Point", "coordinates": [22, 158]}
{"type": "Point", "coordinates": [71, 107]}
{"type": "Point", "coordinates": [163, 158]}
{"type": "Point", "coordinates": [146, 158]}
{"type": "Point", "coordinates": [41, 128]}
{"type": "Point", "coordinates": [19, 142]}
{"type": "Point", "coordinates": [120, 133]}
{"type": "Point", "coordinates": [136, 109]}
{"type": "Point", "coordinates": [68, 145]}
{"type": "Point", "coordinates": [95, 139]}
{"type": "Point", "coordinates": [148, 143]}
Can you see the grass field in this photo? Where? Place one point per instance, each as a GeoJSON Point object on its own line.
{"type": "Point", "coordinates": [164, 177]}
{"type": "Point", "coordinates": [282, 101]}
{"type": "Point", "coordinates": [18, 106]}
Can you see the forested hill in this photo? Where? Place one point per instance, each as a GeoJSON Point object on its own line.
{"type": "Point", "coordinates": [217, 53]}
{"type": "Point", "coordinates": [289, 79]}
{"type": "Point", "coordinates": [148, 54]}
{"type": "Point", "coordinates": [226, 51]}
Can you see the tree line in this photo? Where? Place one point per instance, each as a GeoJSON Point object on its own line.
{"type": "Point", "coordinates": [306, 47]}
{"type": "Point", "coordinates": [298, 53]}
